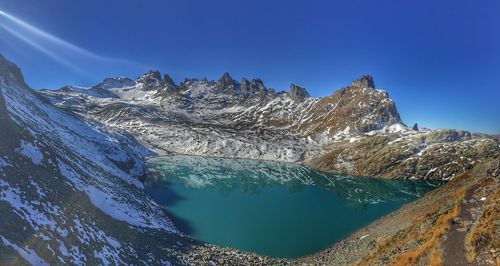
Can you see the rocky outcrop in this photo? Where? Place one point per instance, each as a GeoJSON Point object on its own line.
{"type": "Point", "coordinates": [365, 81]}
{"type": "Point", "coordinates": [494, 169]}
{"type": "Point", "coordinates": [8, 132]}
{"type": "Point", "coordinates": [9, 74]}
{"type": "Point", "coordinates": [447, 135]}
{"type": "Point", "coordinates": [150, 80]}
{"type": "Point", "coordinates": [168, 81]}
{"type": "Point", "coordinates": [415, 127]}
{"type": "Point", "coordinates": [298, 93]}
{"type": "Point", "coordinates": [226, 83]}
{"type": "Point", "coordinates": [406, 156]}
{"type": "Point", "coordinates": [352, 110]}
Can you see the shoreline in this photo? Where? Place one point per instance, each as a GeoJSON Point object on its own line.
{"type": "Point", "coordinates": [357, 233]}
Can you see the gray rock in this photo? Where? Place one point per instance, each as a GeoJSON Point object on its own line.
{"type": "Point", "coordinates": [365, 81]}
{"type": "Point", "coordinates": [415, 127]}
{"type": "Point", "coordinates": [447, 135]}
{"type": "Point", "coordinates": [298, 93]}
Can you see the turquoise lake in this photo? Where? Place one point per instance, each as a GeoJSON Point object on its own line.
{"type": "Point", "coordinates": [274, 209]}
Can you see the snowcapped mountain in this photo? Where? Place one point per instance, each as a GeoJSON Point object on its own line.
{"type": "Point", "coordinates": [227, 118]}
{"type": "Point", "coordinates": [356, 130]}
{"type": "Point", "coordinates": [70, 190]}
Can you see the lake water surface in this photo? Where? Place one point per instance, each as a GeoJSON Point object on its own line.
{"type": "Point", "coordinates": [275, 209]}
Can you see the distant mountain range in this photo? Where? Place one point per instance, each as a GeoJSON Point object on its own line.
{"type": "Point", "coordinates": [356, 130]}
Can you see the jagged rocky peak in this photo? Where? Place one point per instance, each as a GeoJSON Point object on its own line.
{"type": "Point", "coordinates": [169, 82]}
{"type": "Point", "coordinates": [10, 73]}
{"type": "Point", "coordinates": [152, 80]}
{"type": "Point", "coordinates": [226, 82]}
{"type": "Point", "coordinates": [252, 88]}
{"type": "Point", "coordinates": [298, 93]}
{"type": "Point", "coordinates": [152, 77]}
{"type": "Point", "coordinates": [365, 81]}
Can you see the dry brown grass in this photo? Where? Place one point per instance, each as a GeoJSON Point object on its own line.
{"type": "Point", "coordinates": [427, 231]}
{"type": "Point", "coordinates": [436, 257]}
{"type": "Point", "coordinates": [483, 234]}
{"type": "Point", "coordinates": [430, 238]}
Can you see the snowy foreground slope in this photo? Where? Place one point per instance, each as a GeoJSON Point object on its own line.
{"type": "Point", "coordinates": [356, 130]}
{"type": "Point", "coordinates": [70, 190]}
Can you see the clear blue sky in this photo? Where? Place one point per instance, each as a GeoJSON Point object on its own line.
{"type": "Point", "coordinates": [439, 60]}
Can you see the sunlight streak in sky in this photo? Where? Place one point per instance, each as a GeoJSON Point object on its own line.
{"type": "Point", "coordinates": [42, 49]}
{"type": "Point", "coordinates": [29, 34]}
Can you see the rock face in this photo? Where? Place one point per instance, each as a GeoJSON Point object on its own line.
{"type": "Point", "coordinates": [365, 81]}
{"type": "Point", "coordinates": [494, 169]}
{"type": "Point", "coordinates": [226, 83]}
{"type": "Point", "coordinates": [297, 93]}
{"type": "Point", "coordinates": [150, 79]}
{"type": "Point", "coordinates": [414, 155]}
{"type": "Point", "coordinates": [447, 135]}
{"type": "Point", "coordinates": [8, 133]}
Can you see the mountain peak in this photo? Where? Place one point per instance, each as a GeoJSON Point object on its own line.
{"type": "Point", "coordinates": [168, 80]}
{"type": "Point", "coordinates": [9, 72]}
{"type": "Point", "coordinates": [365, 81]}
{"type": "Point", "coordinates": [226, 82]}
{"type": "Point", "coordinates": [298, 93]}
{"type": "Point", "coordinates": [226, 79]}
{"type": "Point", "coordinates": [150, 77]}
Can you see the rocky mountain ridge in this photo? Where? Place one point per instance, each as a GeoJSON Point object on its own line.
{"type": "Point", "coordinates": [355, 130]}
{"type": "Point", "coordinates": [227, 118]}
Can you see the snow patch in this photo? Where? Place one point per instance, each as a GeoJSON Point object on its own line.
{"type": "Point", "coordinates": [3, 163]}
{"type": "Point", "coordinates": [31, 151]}
{"type": "Point", "coordinates": [29, 255]}
{"type": "Point", "coordinates": [394, 128]}
{"type": "Point", "coordinates": [25, 208]}
{"type": "Point", "coordinates": [115, 207]}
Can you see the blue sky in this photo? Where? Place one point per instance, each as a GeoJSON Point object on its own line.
{"type": "Point", "coordinates": [439, 60]}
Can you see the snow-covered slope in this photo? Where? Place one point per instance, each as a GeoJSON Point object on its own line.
{"type": "Point", "coordinates": [69, 189]}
